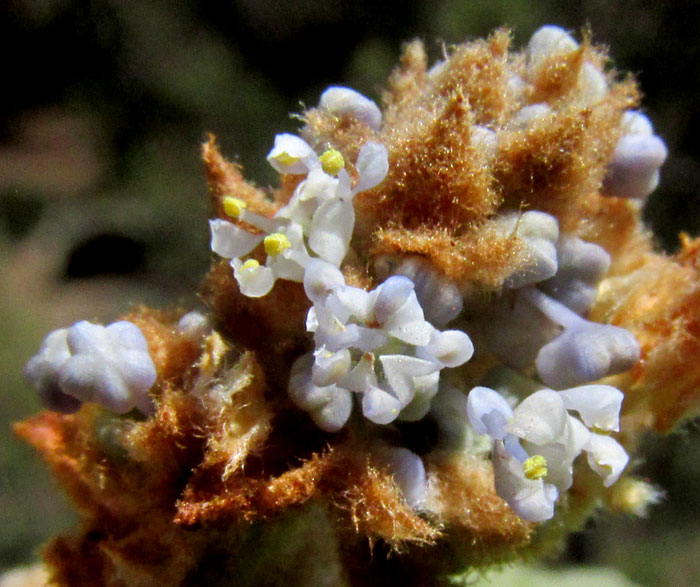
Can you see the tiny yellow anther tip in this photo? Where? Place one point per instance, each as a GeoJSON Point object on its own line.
{"type": "Point", "coordinates": [233, 207]}
{"type": "Point", "coordinates": [276, 243]}
{"type": "Point", "coordinates": [250, 264]}
{"type": "Point", "coordinates": [535, 467]}
{"type": "Point", "coordinates": [332, 161]}
{"type": "Point", "coordinates": [286, 159]}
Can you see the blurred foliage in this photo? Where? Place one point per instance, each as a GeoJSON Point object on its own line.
{"type": "Point", "coordinates": [102, 203]}
{"type": "Point", "coordinates": [536, 576]}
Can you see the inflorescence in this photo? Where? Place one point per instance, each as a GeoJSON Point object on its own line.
{"type": "Point", "coordinates": [381, 348]}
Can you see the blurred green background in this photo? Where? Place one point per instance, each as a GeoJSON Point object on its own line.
{"type": "Point", "coordinates": [103, 205]}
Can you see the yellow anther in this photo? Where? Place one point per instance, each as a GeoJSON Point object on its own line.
{"type": "Point", "coordinates": [286, 159]}
{"type": "Point", "coordinates": [276, 243]}
{"type": "Point", "coordinates": [535, 467]}
{"type": "Point", "coordinates": [250, 264]}
{"type": "Point", "coordinates": [332, 161]}
{"type": "Point", "coordinates": [233, 207]}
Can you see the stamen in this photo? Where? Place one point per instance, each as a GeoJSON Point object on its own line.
{"type": "Point", "coordinates": [250, 264]}
{"type": "Point", "coordinates": [276, 243]}
{"type": "Point", "coordinates": [535, 467]}
{"type": "Point", "coordinates": [233, 207]}
{"type": "Point", "coordinates": [286, 159]}
{"type": "Point", "coordinates": [332, 161]}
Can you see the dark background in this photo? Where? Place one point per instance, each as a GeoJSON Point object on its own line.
{"type": "Point", "coordinates": [103, 205]}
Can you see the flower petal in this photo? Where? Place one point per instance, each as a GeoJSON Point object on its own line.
{"type": "Point", "coordinates": [391, 295]}
{"type": "Point", "coordinates": [450, 348]}
{"type": "Point", "coordinates": [540, 418]}
{"type": "Point", "coordinates": [127, 334]}
{"type": "Point", "coordinates": [546, 41]}
{"type": "Point", "coordinates": [254, 281]}
{"type": "Point", "coordinates": [585, 353]}
{"type": "Point", "coordinates": [331, 230]}
{"type": "Point", "coordinates": [399, 371]}
{"type": "Point", "coordinates": [230, 241]}
{"type": "Point", "coordinates": [320, 278]}
{"type": "Point", "coordinates": [292, 155]}
{"type": "Point", "coordinates": [372, 166]}
{"type": "Point", "coordinates": [408, 472]}
{"type": "Point", "coordinates": [408, 325]}
{"type": "Point", "coordinates": [380, 406]}
{"type": "Point", "coordinates": [330, 367]}
{"type": "Point", "coordinates": [425, 387]}
{"type": "Point", "coordinates": [532, 500]}
{"type": "Point", "coordinates": [598, 405]}
{"type": "Point", "coordinates": [606, 457]}
{"type": "Point", "coordinates": [87, 377]}
{"type": "Point", "coordinates": [488, 412]}
{"type": "Point", "coordinates": [362, 376]}
{"type": "Point", "coordinates": [333, 415]}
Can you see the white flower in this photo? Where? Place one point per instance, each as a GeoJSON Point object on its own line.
{"type": "Point", "coordinates": [90, 363]}
{"type": "Point", "coordinates": [376, 344]}
{"type": "Point", "coordinates": [322, 203]}
{"type": "Point", "coordinates": [530, 325]}
{"type": "Point", "coordinates": [536, 443]}
{"type": "Point", "coordinates": [285, 248]}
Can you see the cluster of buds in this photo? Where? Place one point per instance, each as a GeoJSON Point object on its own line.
{"type": "Point", "coordinates": [87, 362]}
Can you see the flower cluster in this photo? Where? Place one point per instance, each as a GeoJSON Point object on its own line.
{"type": "Point", "coordinates": [536, 443]}
{"type": "Point", "coordinates": [319, 218]}
{"type": "Point", "coordinates": [87, 362]}
{"type": "Point", "coordinates": [484, 223]}
{"type": "Point", "coordinates": [376, 344]}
